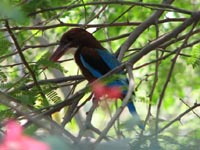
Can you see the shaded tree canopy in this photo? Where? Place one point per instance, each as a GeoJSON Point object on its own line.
{"type": "Point", "coordinates": [156, 41]}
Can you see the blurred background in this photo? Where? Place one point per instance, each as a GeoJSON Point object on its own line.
{"type": "Point", "coordinates": [46, 97]}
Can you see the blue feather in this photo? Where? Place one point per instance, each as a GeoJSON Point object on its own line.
{"type": "Point", "coordinates": [108, 58]}
{"type": "Point", "coordinates": [131, 107]}
{"type": "Point", "coordinates": [93, 71]}
{"type": "Point", "coordinates": [112, 62]}
{"type": "Point", "coordinates": [132, 110]}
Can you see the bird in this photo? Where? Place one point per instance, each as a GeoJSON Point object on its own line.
{"type": "Point", "coordinates": [94, 61]}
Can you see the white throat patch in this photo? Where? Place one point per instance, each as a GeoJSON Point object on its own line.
{"type": "Point", "coordinates": [72, 50]}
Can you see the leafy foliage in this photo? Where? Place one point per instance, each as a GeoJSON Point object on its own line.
{"type": "Point", "coordinates": [163, 52]}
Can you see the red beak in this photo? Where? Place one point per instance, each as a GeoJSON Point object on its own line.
{"type": "Point", "coordinates": [59, 52]}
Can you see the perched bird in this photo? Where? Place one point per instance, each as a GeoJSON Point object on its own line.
{"type": "Point", "coordinates": [93, 60]}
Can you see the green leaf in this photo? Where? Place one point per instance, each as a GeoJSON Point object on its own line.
{"type": "Point", "coordinates": [11, 12]}
{"type": "Point", "coordinates": [195, 56]}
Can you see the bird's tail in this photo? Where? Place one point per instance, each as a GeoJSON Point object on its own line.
{"type": "Point", "coordinates": [136, 117]}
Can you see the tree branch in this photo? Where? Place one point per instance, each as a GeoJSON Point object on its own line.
{"type": "Point", "coordinates": [161, 40]}
{"type": "Point", "coordinates": [141, 28]}
{"type": "Point", "coordinates": [25, 62]}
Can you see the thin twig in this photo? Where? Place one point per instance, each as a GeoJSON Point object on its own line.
{"type": "Point", "coordinates": [25, 62]}
{"type": "Point", "coordinates": [119, 111]}
{"type": "Point", "coordinates": [164, 6]}
{"type": "Point", "coordinates": [37, 119]}
{"type": "Point", "coordinates": [178, 117]}
{"type": "Point", "coordinates": [161, 40]}
{"type": "Point", "coordinates": [100, 25]}
{"type": "Point", "coordinates": [140, 29]}
{"type": "Point", "coordinates": [170, 74]}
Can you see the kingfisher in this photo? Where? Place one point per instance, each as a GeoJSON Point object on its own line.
{"type": "Point", "coordinates": [94, 61]}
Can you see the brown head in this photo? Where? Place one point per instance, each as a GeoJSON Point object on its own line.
{"type": "Point", "coordinates": [74, 39]}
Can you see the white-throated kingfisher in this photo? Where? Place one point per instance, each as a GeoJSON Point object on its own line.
{"type": "Point", "coordinates": [93, 60]}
